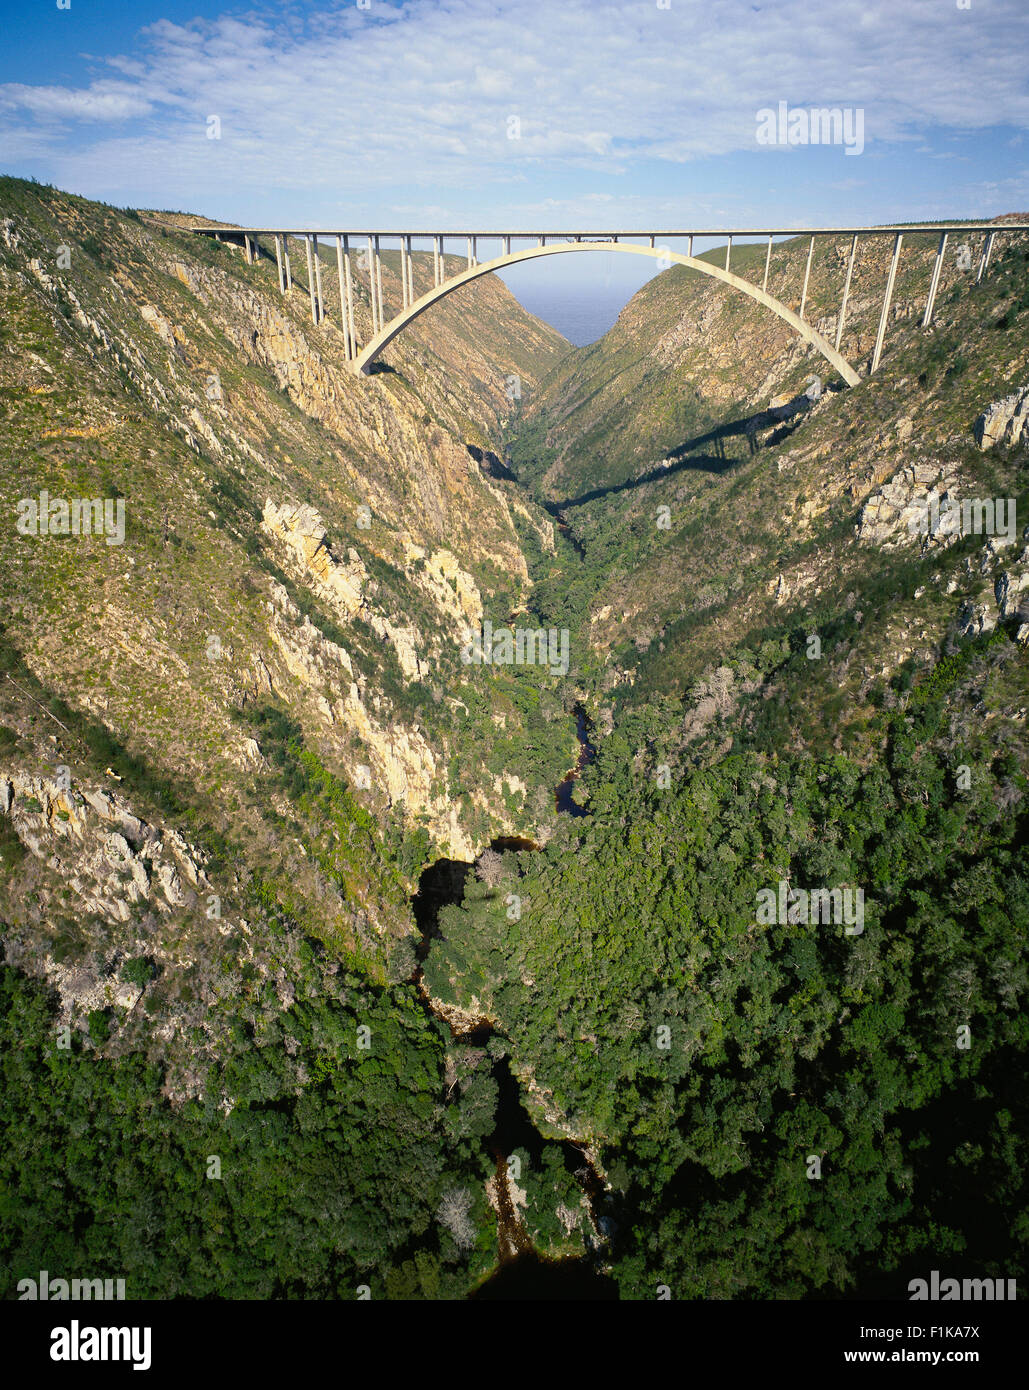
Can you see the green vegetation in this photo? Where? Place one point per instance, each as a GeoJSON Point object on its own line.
{"type": "Point", "coordinates": [304, 1030]}
{"type": "Point", "coordinates": [330, 1166]}
{"type": "Point", "coordinates": [707, 1056]}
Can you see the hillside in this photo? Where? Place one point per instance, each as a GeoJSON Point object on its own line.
{"type": "Point", "coordinates": [283, 877]}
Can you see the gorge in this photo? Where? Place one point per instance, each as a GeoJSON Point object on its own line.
{"type": "Point", "coordinates": [457, 967]}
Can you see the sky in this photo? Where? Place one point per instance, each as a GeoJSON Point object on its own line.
{"type": "Point", "coordinates": [522, 114]}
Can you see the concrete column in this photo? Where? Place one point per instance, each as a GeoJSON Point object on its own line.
{"type": "Point", "coordinates": [846, 294]}
{"type": "Point", "coordinates": [934, 283]}
{"type": "Point", "coordinates": [807, 276]}
{"type": "Point", "coordinates": [507, 246]}
{"type": "Point", "coordinates": [884, 316]}
{"type": "Point", "coordinates": [350, 296]}
{"type": "Point", "coordinates": [987, 248]}
{"type": "Point", "coordinates": [378, 282]}
{"type": "Point", "coordinates": [543, 241]}
{"type": "Point", "coordinates": [689, 249]}
{"type": "Point", "coordinates": [728, 252]}
{"type": "Point", "coordinates": [437, 260]}
{"type": "Point", "coordinates": [318, 280]}
{"type": "Point", "coordinates": [371, 287]}
{"type": "Point", "coordinates": [410, 273]}
{"type": "Point", "coordinates": [343, 275]}
{"type": "Point", "coordinates": [279, 265]}
{"type": "Point", "coordinates": [768, 261]}
{"type": "Point", "coordinates": [470, 261]}
{"type": "Point", "coordinates": [289, 267]}
{"type": "Point", "coordinates": [403, 272]}
{"type": "Point", "coordinates": [310, 280]}
{"type": "Point", "coordinates": [651, 243]}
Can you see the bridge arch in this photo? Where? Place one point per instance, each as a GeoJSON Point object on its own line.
{"type": "Point", "coordinates": [363, 362]}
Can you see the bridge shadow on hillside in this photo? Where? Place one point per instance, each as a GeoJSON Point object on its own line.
{"type": "Point", "coordinates": [715, 457]}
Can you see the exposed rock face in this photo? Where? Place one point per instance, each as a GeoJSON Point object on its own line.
{"type": "Point", "coordinates": [453, 589]}
{"type": "Point", "coordinates": [116, 868]}
{"type": "Point", "coordinates": [1002, 594]}
{"type": "Point", "coordinates": [1004, 421]}
{"type": "Point", "coordinates": [900, 512]}
{"type": "Point", "coordinates": [342, 585]}
{"type": "Point", "coordinates": [399, 760]}
{"type": "Point", "coordinates": [119, 859]}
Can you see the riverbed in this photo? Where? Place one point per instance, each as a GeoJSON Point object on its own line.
{"type": "Point", "coordinates": [520, 1272]}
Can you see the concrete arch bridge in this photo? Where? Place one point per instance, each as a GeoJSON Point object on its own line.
{"type": "Point", "coordinates": [654, 244]}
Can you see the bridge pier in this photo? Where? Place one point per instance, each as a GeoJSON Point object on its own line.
{"type": "Point", "coordinates": [807, 276]}
{"type": "Point", "coordinates": [987, 248]}
{"type": "Point", "coordinates": [346, 296]}
{"type": "Point", "coordinates": [728, 253]}
{"type": "Point", "coordinates": [278, 264]}
{"type": "Point", "coordinates": [403, 272]}
{"type": "Point", "coordinates": [310, 280]}
{"type": "Point", "coordinates": [318, 281]}
{"type": "Point", "coordinates": [437, 257]}
{"type": "Point", "coordinates": [378, 282]}
{"type": "Point", "coordinates": [768, 261]}
{"type": "Point", "coordinates": [371, 287]}
{"type": "Point", "coordinates": [846, 294]}
{"type": "Point", "coordinates": [927, 317]}
{"type": "Point", "coordinates": [885, 315]}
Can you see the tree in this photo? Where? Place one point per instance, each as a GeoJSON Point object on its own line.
{"type": "Point", "coordinates": [490, 867]}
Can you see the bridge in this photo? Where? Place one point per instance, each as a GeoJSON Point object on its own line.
{"type": "Point", "coordinates": [654, 244]}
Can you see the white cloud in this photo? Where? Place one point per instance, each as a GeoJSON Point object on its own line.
{"type": "Point", "coordinates": [349, 102]}
{"type": "Point", "coordinates": [99, 102]}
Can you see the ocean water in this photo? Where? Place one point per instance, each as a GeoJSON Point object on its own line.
{"type": "Point", "coordinates": [582, 313]}
{"type": "Point", "coordinates": [579, 295]}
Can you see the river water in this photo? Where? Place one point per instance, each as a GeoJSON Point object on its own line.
{"type": "Point", "coordinates": [521, 1273]}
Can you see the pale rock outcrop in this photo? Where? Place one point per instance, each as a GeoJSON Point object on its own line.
{"type": "Point", "coordinates": [899, 512]}
{"type": "Point", "coordinates": [164, 328]}
{"type": "Point", "coordinates": [1000, 596]}
{"type": "Point", "coordinates": [1003, 422]}
{"type": "Point", "coordinates": [119, 858]}
{"type": "Point", "coordinates": [401, 762]}
{"type": "Point", "coordinates": [452, 589]}
{"type": "Point", "coordinates": [302, 532]}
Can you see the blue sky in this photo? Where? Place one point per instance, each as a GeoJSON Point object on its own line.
{"type": "Point", "coordinates": [520, 113]}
